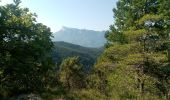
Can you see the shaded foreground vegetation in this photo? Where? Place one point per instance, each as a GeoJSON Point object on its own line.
{"type": "Point", "coordinates": [135, 64]}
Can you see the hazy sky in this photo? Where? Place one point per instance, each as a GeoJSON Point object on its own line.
{"type": "Point", "coordinates": [83, 14]}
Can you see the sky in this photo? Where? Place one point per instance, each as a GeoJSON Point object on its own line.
{"type": "Point", "coordinates": [83, 14]}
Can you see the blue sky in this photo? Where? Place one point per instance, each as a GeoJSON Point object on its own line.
{"type": "Point", "coordinates": [83, 14]}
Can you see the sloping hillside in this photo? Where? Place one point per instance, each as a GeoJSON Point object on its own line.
{"type": "Point", "coordinates": [87, 56]}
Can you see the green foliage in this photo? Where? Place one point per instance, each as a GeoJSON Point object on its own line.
{"type": "Point", "coordinates": [71, 73]}
{"type": "Point", "coordinates": [135, 64]}
{"type": "Point", "coordinates": [24, 45]}
{"type": "Point", "coordinates": [85, 94]}
{"type": "Point", "coordinates": [87, 56]}
{"type": "Point", "coordinates": [136, 57]}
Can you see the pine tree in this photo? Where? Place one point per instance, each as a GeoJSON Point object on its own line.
{"type": "Point", "coordinates": [136, 59]}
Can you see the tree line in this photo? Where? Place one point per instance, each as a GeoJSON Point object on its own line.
{"type": "Point", "coordinates": [135, 64]}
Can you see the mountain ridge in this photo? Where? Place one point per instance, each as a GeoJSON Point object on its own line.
{"type": "Point", "coordinates": [82, 37]}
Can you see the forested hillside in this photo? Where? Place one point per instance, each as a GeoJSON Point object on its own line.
{"type": "Point", "coordinates": [134, 64]}
{"type": "Point", "coordinates": [87, 56]}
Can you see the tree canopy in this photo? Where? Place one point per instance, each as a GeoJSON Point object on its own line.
{"type": "Point", "coordinates": [136, 59]}
{"type": "Point", "coordinates": [24, 44]}
{"type": "Point", "coordinates": [135, 64]}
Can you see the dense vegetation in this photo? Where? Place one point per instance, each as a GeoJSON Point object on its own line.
{"type": "Point", "coordinates": [24, 45]}
{"type": "Point", "coordinates": [135, 64]}
{"type": "Point", "coordinates": [87, 56]}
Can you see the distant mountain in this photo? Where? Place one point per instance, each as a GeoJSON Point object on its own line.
{"type": "Point", "coordinates": [87, 56]}
{"type": "Point", "coordinates": [83, 37]}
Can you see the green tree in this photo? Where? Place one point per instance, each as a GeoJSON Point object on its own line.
{"type": "Point", "coordinates": [135, 62]}
{"type": "Point", "coordinates": [71, 73]}
{"type": "Point", "coordinates": [24, 47]}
